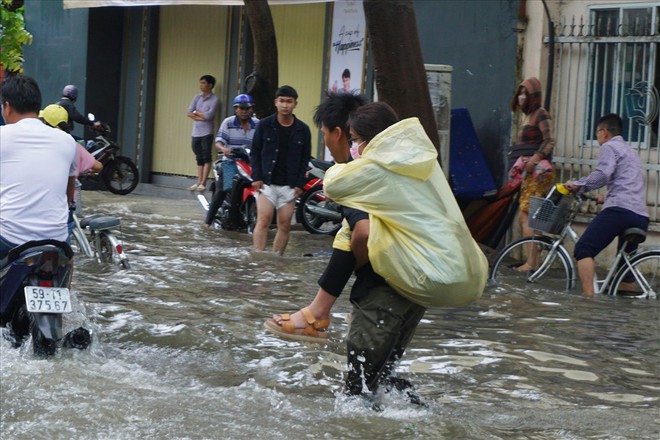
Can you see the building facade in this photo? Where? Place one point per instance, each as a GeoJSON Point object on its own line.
{"type": "Point", "coordinates": [606, 60]}
{"type": "Point", "coordinates": [138, 67]}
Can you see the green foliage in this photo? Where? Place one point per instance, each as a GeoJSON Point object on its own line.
{"type": "Point", "coordinates": [13, 37]}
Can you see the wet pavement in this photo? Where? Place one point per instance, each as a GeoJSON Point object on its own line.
{"type": "Point", "coordinates": [180, 351]}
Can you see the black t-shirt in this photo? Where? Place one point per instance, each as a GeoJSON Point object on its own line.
{"type": "Point", "coordinates": [280, 170]}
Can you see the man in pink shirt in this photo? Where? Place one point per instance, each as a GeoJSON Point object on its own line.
{"type": "Point", "coordinates": [56, 116]}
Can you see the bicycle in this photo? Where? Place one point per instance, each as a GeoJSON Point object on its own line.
{"type": "Point", "coordinates": [556, 263]}
{"type": "Point", "coordinates": [102, 243]}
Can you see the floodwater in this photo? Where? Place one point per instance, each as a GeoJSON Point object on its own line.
{"type": "Point", "coordinates": [180, 352]}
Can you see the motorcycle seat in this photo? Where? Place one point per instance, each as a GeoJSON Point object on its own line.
{"type": "Point", "coordinates": [98, 222]}
{"type": "Point", "coordinates": [35, 246]}
{"type": "Point", "coordinates": [93, 147]}
{"type": "Point", "coordinates": [321, 164]}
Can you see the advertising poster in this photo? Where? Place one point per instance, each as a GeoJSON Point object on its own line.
{"type": "Point", "coordinates": [347, 47]}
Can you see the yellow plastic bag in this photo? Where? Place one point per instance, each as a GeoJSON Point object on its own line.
{"type": "Point", "coordinates": [418, 239]}
{"type": "Point", "coordinates": [342, 239]}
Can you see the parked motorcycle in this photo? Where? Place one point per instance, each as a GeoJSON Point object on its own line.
{"type": "Point", "coordinates": [34, 294]}
{"type": "Point", "coordinates": [120, 175]}
{"type": "Point", "coordinates": [317, 213]}
{"type": "Point", "coordinates": [102, 242]}
{"type": "Point", "coordinates": [239, 208]}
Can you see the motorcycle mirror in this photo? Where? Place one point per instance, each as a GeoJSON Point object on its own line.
{"type": "Point", "coordinates": [91, 116]}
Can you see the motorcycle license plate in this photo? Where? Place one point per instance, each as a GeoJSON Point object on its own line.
{"type": "Point", "coordinates": [47, 299]}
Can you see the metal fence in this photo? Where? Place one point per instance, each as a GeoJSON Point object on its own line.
{"type": "Point", "coordinates": [608, 63]}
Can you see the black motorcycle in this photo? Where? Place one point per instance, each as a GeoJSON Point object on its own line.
{"type": "Point", "coordinates": [119, 174]}
{"type": "Point", "coordinates": [34, 294]}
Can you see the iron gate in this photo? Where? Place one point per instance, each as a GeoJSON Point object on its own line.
{"type": "Point", "coordinates": [608, 63]}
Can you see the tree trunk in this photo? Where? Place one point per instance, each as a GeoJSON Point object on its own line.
{"type": "Point", "coordinates": [398, 63]}
{"type": "Point", "coordinates": [263, 81]}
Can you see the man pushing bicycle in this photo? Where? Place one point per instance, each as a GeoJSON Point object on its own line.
{"type": "Point", "coordinates": [619, 168]}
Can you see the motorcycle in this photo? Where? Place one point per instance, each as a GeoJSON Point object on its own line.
{"type": "Point", "coordinates": [238, 210]}
{"type": "Point", "coordinates": [119, 174]}
{"type": "Point", "coordinates": [102, 242]}
{"type": "Point", "coordinates": [34, 294]}
{"type": "Point", "coordinates": [317, 213]}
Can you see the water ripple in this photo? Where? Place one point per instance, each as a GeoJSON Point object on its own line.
{"type": "Point", "coordinates": [180, 352]}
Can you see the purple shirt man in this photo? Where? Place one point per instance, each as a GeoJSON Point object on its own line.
{"type": "Point", "coordinates": [202, 112]}
{"type": "Point", "coordinates": [619, 169]}
{"type": "Point", "coordinates": [206, 105]}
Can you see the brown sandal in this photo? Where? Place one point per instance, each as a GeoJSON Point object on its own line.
{"type": "Point", "coordinates": [314, 332]}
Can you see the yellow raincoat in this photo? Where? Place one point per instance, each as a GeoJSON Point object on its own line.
{"type": "Point", "coordinates": [418, 239]}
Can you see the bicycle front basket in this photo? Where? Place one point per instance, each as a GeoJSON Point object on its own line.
{"type": "Point", "coordinates": [545, 216]}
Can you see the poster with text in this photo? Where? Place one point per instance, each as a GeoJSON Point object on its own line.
{"type": "Point", "coordinates": [347, 47]}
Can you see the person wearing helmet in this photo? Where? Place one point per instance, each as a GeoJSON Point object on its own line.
{"type": "Point", "coordinates": [32, 208]}
{"type": "Point", "coordinates": [235, 131]}
{"type": "Point", "coordinates": [68, 101]}
{"type": "Point", "coordinates": [56, 116]}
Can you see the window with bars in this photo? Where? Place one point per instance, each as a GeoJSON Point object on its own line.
{"type": "Point", "coordinates": [624, 71]}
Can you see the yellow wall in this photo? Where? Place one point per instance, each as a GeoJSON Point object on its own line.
{"type": "Point", "coordinates": [300, 31]}
{"type": "Point", "coordinates": [192, 42]}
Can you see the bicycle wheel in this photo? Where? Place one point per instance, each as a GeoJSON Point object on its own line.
{"type": "Point", "coordinates": [106, 250]}
{"type": "Point", "coordinates": [644, 268]}
{"type": "Point", "coordinates": [555, 268]}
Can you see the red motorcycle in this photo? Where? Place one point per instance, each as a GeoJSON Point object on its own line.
{"type": "Point", "coordinates": [317, 213]}
{"type": "Point", "coordinates": [239, 209]}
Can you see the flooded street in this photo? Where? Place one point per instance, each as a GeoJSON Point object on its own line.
{"type": "Point", "coordinates": [180, 352]}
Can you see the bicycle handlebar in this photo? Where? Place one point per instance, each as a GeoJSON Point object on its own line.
{"type": "Point", "coordinates": [587, 197]}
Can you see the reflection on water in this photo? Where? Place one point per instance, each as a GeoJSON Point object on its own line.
{"type": "Point", "coordinates": [180, 352]}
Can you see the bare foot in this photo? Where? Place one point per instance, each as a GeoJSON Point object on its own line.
{"type": "Point", "coordinates": [525, 267]}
